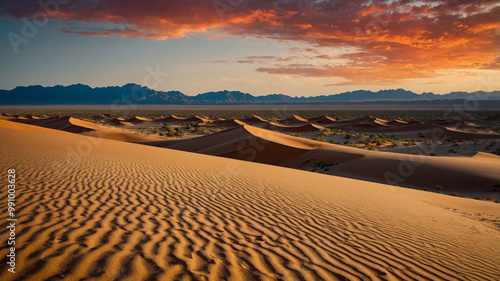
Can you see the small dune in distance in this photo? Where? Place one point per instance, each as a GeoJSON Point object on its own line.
{"type": "Point", "coordinates": [199, 197]}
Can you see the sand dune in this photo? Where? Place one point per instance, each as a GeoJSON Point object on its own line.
{"type": "Point", "coordinates": [65, 123]}
{"type": "Point", "coordinates": [29, 116]}
{"type": "Point", "coordinates": [468, 173]}
{"type": "Point", "coordinates": [138, 120]}
{"type": "Point", "coordinates": [363, 122]}
{"type": "Point", "coordinates": [197, 119]}
{"type": "Point", "coordinates": [254, 119]}
{"type": "Point", "coordinates": [171, 118]}
{"type": "Point", "coordinates": [322, 120]}
{"type": "Point", "coordinates": [295, 120]}
{"type": "Point", "coordinates": [449, 132]}
{"type": "Point", "coordinates": [296, 129]}
{"type": "Point", "coordinates": [73, 125]}
{"type": "Point", "coordinates": [159, 214]}
{"type": "Point", "coordinates": [461, 174]}
{"type": "Point", "coordinates": [429, 129]}
{"type": "Point", "coordinates": [25, 127]}
{"type": "Point", "coordinates": [221, 123]}
{"type": "Point", "coordinates": [397, 122]}
{"type": "Point", "coordinates": [249, 143]}
{"type": "Point", "coordinates": [464, 174]}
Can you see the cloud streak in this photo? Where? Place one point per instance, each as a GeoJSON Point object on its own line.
{"type": "Point", "coordinates": [395, 40]}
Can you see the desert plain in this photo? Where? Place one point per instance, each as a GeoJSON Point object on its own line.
{"type": "Point", "coordinates": [252, 198]}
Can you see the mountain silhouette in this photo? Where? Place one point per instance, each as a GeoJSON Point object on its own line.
{"type": "Point", "coordinates": [137, 94]}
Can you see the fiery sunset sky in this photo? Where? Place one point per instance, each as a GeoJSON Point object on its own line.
{"type": "Point", "coordinates": [261, 47]}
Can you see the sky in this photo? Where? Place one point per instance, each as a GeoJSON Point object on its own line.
{"type": "Point", "coordinates": [298, 48]}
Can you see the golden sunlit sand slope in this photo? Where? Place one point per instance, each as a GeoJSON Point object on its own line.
{"type": "Point", "coordinates": [122, 211]}
{"type": "Point", "coordinates": [73, 125]}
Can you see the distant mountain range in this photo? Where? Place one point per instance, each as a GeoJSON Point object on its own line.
{"type": "Point", "coordinates": [136, 94]}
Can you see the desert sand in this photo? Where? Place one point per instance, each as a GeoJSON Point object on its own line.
{"type": "Point", "coordinates": [99, 209]}
{"type": "Point", "coordinates": [469, 173]}
{"type": "Point", "coordinates": [476, 172]}
{"type": "Point", "coordinates": [73, 125]}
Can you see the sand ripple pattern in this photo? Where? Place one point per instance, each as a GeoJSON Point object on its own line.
{"type": "Point", "coordinates": [119, 219]}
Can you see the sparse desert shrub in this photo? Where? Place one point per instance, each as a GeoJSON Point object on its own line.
{"type": "Point", "coordinates": [171, 131]}
{"type": "Point", "coordinates": [321, 138]}
{"type": "Point", "coordinates": [361, 138]}
{"type": "Point", "coordinates": [326, 131]}
{"type": "Point", "coordinates": [438, 188]}
{"type": "Point", "coordinates": [187, 126]}
{"type": "Point", "coordinates": [453, 150]}
{"type": "Point", "coordinates": [201, 130]}
{"type": "Point", "coordinates": [179, 132]}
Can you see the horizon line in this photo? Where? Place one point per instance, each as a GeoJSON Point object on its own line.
{"type": "Point", "coordinates": [388, 89]}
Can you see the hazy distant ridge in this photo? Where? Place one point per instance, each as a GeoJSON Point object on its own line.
{"type": "Point", "coordinates": [136, 94]}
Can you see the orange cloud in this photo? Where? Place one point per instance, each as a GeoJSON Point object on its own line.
{"type": "Point", "coordinates": [396, 39]}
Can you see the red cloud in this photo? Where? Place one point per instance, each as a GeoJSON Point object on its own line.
{"type": "Point", "coordinates": [395, 39]}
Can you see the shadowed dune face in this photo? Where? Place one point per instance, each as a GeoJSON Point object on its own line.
{"type": "Point", "coordinates": [322, 120]}
{"type": "Point", "coordinates": [254, 119]}
{"type": "Point", "coordinates": [221, 123]}
{"type": "Point", "coordinates": [73, 125]}
{"type": "Point", "coordinates": [456, 174]}
{"type": "Point", "coordinates": [295, 120]}
{"type": "Point", "coordinates": [296, 129]}
{"type": "Point", "coordinates": [66, 123]}
{"type": "Point", "coordinates": [159, 214]}
{"type": "Point", "coordinates": [251, 144]}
